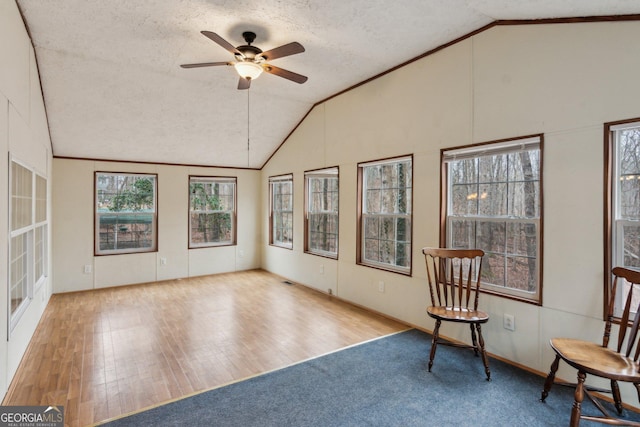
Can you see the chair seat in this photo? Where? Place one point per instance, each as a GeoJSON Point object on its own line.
{"type": "Point", "coordinates": [457, 314]}
{"type": "Point", "coordinates": [596, 360]}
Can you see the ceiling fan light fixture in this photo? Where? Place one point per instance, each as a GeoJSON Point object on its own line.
{"type": "Point", "coordinates": [248, 70]}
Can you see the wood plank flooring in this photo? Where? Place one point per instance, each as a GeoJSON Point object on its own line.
{"type": "Point", "coordinates": [108, 352]}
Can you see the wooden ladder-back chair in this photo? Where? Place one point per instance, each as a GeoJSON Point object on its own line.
{"type": "Point", "coordinates": [619, 363]}
{"type": "Point", "coordinates": [454, 285]}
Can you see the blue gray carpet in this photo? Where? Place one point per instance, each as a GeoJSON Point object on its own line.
{"type": "Point", "coordinates": [380, 383]}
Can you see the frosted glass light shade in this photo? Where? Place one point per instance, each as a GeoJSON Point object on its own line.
{"type": "Point", "coordinates": [248, 70]}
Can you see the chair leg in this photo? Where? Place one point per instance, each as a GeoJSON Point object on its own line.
{"type": "Point", "coordinates": [483, 352]}
{"type": "Point", "coordinates": [615, 391]}
{"type": "Point", "coordinates": [550, 378]}
{"type": "Point", "coordinates": [434, 343]}
{"type": "Point", "coordinates": [577, 402]}
{"type": "Point", "coordinates": [474, 340]}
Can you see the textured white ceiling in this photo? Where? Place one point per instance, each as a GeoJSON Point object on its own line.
{"type": "Point", "coordinates": [114, 89]}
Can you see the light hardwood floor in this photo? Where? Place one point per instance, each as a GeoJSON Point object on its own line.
{"type": "Point", "coordinates": [108, 352]}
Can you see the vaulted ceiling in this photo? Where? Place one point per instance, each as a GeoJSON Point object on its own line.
{"type": "Point", "coordinates": [114, 89]}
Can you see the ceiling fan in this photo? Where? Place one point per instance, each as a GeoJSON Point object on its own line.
{"type": "Point", "coordinates": [251, 61]}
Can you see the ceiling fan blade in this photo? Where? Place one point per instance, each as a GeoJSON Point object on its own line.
{"type": "Point", "coordinates": [222, 42]}
{"type": "Point", "coordinates": [204, 64]}
{"type": "Point", "coordinates": [243, 83]}
{"type": "Point", "coordinates": [284, 50]}
{"type": "Point", "coordinates": [281, 72]}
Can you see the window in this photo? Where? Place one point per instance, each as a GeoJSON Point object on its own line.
{"type": "Point", "coordinates": [212, 211]}
{"type": "Point", "coordinates": [281, 215]}
{"type": "Point", "coordinates": [492, 201]}
{"type": "Point", "coordinates": [622, 247]}
{"type": "Point", "coordinates": [28, 240]}
{"type": "Point", "coordinates": [321, 216]}
{"type": "Point", "coordinates": [385, 207]}
{"type": "Point", "coordinates": [126, 215]}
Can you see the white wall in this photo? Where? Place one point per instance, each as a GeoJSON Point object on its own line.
{"type": "Point", "coordinates": [24, 136]}
{"type": "Point", "coordinates": [562, 80]}
{"type": "Point", "coordinates": [73, 198]}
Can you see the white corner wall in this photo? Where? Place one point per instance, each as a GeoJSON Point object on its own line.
{"type": "Point", "coordinates": [73, 201]}
{"type": "Point", "coordinates": [562, 80]}
{"type": "Point", "coordinates": [24, 136]}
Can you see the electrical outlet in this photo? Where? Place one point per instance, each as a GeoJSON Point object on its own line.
{"type": "Point", "coordinates": [163, 261]}
{"type": "Point", "coordinates": [321, 269]}
{"type": "Point", "coordinates": [381, 286]}
{"type": "Point", "coordinates": [509, 322]}
{"type": "Point", "coordinates": [240, 253]}
{"type": "Point", "coordinates": [87, 269]}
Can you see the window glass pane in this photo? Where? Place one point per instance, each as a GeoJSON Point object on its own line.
{"type": "Point", "coordinates": [464, 199]}
{"type": "Point", "coordinates": [463, 234]}
{"type": "Point", "coordinates": [521, 273]}
{"type": "Point", "coordinates": [464, 171]}
{"type": "Point", "coordinates": [493, 269]}
{"type": "Point", "coordinates": [491, 236]}
{"type": "Point", "coordinates": [372, 249]}
{"type": "Point", "coordinates": [21, 196]}
{"type": "Point", "coordinates": [125, 212]}
{"type": "Point", "coordinates": [492, 199]}
{"type": "Point", "coordinates": [522, 239]}
{"type": "Point", "coordinates": [373, 201]}
{"type": "Point", "coordinates": [19, 267]}
{"type": "Point", "coordinates": [41, 199]}
{"type": "Point", "coordinates": [631, 245]}
{"type": "Point", "coordinates": [40, 251]}
{"type": "Point", "coordinates": [492, 168]}
{"type": "Point", "coordinates": [525, 199]}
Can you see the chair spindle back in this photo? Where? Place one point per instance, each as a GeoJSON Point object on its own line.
{"type": "Point", "coordinates": [454, 276]}
{"type": "Point", "coordinates": [630, 318]}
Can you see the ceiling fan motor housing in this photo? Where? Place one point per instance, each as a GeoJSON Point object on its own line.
{"type": "Point", "coordinates": [249, 52]}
